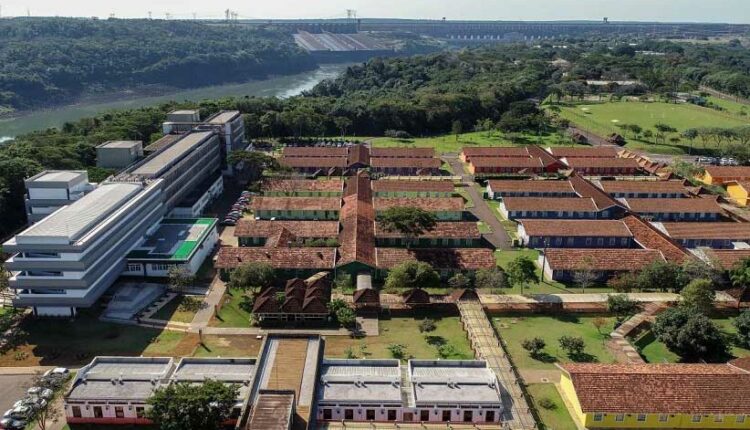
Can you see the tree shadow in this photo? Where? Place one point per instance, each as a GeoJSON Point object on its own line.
{"type": "Point", "coordinates": [567, 317]}
{"type": "Point", "coordinates": [436, 341]}
{"type": "Point", "coordinates": [583, 357]}
{"type": "Point", "coordinates": [544, 357]}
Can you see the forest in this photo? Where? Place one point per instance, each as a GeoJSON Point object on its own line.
{"type": "Point", "coordinates": [47, 61]}
{"type": "Point", "coordinates": [495, 87]}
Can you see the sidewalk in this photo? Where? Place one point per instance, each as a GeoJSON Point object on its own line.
{"type": "Point", "coordinates": [213, 298]}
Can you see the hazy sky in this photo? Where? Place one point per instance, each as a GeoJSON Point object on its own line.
{"type": "Point", "coordinates": [736, 11]}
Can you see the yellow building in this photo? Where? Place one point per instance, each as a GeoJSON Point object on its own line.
{"type": "Point", "coordinates": [659, 396]}
{"type": "Point", "coordinates": [718, 175]}
{"type": "Point", "coordinates": [739, 191]}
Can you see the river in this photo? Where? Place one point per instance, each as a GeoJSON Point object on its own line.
{"type": "Point", "coordinates": [282, 86]}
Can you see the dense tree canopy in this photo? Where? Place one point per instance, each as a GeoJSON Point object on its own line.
{"type": "Point", "coordinates": [182, 406]}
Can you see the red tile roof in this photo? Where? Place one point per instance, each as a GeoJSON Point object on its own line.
{"type": "Point", "coordinates": [440, 258]}
{"type": "Point", "coordinates": [421, 163]}
{"type": "Point", "coordinates": [386, 185]}
{"type": "Point", "coordinates": [357, 237]}
{"type": "Point", "coordinates": [366, 296]}
{"type": "Point", "coordinates": [448, 230]}
{"type": "Point", "coordinates": [601, 259]}
{"type": "Point", "coordinates": [251, 228]}
{"type": "Point", "coordinates": [516, 185]}
{"type": "Point", "coordinates": [550, 204]}
{"type": "Point", "coordinates": [296, 203]}
{"type": "Point", "coordinates": [416, 296]}
{"type": "Point", "coordinates": [731, 172]}
{"type": "Point", "coordinates": [310, 151]}
{"type": "Point", "coordinates": [584, 151]}
{"type": "Point", "coordinates": [695, 205]}
{"type": "Point", "coordinates": [279, 258]}
{"type": "Point", "coordinates": [434, 204]}
{"type": "Point", "coordinates": [322, 162]}
{"type": "Point", "coordinates": [651, 238]}
{"type": "Point", "coordinates": [403, 152]}
{"type": "Point", "coordinates": [580, 228]}
{"type": "Point", "coordinates": [661, 388]}
{"type": "Point", "coordinates": [546, 157]}
{"type": "Point", "coordinates": [495, 151]}
{"type": "Point", "coordinates": [289, 185]}
{"type": "Point", "coordinates": [615, 163]}
{"type": "Point", "coordinates": [708, 230]}
{"type": "Point", "coordinates": [585, 188]}
{"type": "Point", "coordinates": [613, 187]}
{"type": "Point", "coordinates": [359, 154]}
{"type": "Point", "coordinates": [518, 162]}
{"type": "Point", "coordinates": [727, 258]}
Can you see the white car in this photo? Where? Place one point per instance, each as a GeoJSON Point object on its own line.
{"type": "Point", "coordinates": [39, 392]}
{"type": "Point", "coordinates": [11, 424]}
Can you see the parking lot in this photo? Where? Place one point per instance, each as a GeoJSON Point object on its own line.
{"type": "Point", "coordinates": [12, 389]}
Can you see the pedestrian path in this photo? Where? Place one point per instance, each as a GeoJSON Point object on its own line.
{"type": "Point", "coordinates": [620, 336]}
{"type": "Point", "coordinates": [487, 346]}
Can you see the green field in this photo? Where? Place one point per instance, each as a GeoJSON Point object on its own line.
{"type": "Point", "coordinates": [513, 329]}
{"type": "Point", "coordinates": [232, 314]}
{"type": "Point", "coordinates": [172, 311]}
{"type": "Point", "coordinates": [732, 107]}
{"type": "Point", "coordinates": [555, 416]}
{"type": "Point", "coordinates": [449, 144]}
{"type": "Point", "coordinates": [603, 118]}
{"type": "Point", "coordinates": [405, 331]}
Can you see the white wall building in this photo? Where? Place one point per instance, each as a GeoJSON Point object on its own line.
{"type": "Point", "coordinates": [50, 190]}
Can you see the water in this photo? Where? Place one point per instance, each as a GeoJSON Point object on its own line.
{"type": "Point", "coordinates": [283, 86]}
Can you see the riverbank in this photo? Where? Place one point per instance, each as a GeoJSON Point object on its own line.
{"type": "Point", "coordinates": [280, 86]}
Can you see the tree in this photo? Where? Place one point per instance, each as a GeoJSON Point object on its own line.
{"type": "Point", "coordinates": [698, 296]}
{"type": "Point", "coordinates": [623, 282]}
{"type": "Point", "coordinates": [252, 276]}
{"type": "Point", "coordinates": [410, 221]}
{"type": "Point", "coordinates": [534, 346]}
{"type": "Point", "coordinates": [412, 274]}
{"type": "Point", "coordinates": [180, 278]}
{"type": "Point", "coordinates": [397, 350]}
{"type": "Point", "coordinates": [690, 134]}
{"type": "Point", "coordinates": [647, 134]}
{"type": "Point", "coordinates": [662, 130]}
{"type": "Point", "coordinates": [250, 165]}
{"type": "Point", "coordinates": [692, 336]}
{"type": "Point", "coordinates": [180, 406]}
{"type": "Point", "coordinates": [622, 306]}
{"type": "Point", "coordinates": [427, 325]}
{"type": "Point", "coordinates": [599, 323]}
{"type": "Point", "coordinates": [742, 324]}
{"type": "Point", "coordinates": [740, 273]}
{"type": "Point", "coordinates": [585, 276]}
{"type": "Point", "coordinates": [490, 279]}
{"type": "Point", "coordinates": [522, 271]}
{"type": "Point", "coordinates": [457, 128]}
{"type": "Point", "coordinates": [346, 317]}
{"type": "Point", "coordinates": [663, 275]}
{"type": "Point", "coordinates": [342, 123]}
{"type": "Point", "coordinates": [459, 281]}
{"type": "Point", "coordinates": [694, 268]}
{"type": "Point", "coordinates": [573, 346]}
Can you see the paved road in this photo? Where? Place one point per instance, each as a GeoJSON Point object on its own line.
{"type": "Point", "coordinates": [13, 387]}
{"type": "Point", "coordinates": [498, 238]}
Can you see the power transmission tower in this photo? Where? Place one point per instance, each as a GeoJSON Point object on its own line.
{"type": "Point", "coordinates": [226, 14]}
{"type": "Point", "coordinates": [149, 14]}
{"type": "Point", "coordinates": [351, 14]}
{"type": "Point", "coordinates": [194, 15]}
{"type": "Point", "coordinates": [167, 16]}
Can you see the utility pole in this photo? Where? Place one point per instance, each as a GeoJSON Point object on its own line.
{"type": "Point", "coordinates": [193, 15]}
{"type": "Point", "coordinates": [167, 15]}
{"type": "Point", "coordinates": [149, 15]}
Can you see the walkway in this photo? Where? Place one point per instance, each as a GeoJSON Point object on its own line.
{"type": "Point", "coordinates": [487, 346]}
{"type": "Point", "coordinates": [213, 299]}
{"type": "Point", "coordinates": [620, 336]}
{"type": "Point", "coordinates": [498, 238]}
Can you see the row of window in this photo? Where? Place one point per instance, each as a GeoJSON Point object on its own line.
{"type": "Point", "coordinates": [570, 241]}
{"type": "Point", "coordinates": [140, 412]}
{"type": "Point", "coordinates": [136, 267]}
{"type": "Point", "coordinates": [598, 417]}
{"type": "Point", "coordinates": [556, 214]}
{"type": "Point", "coordinates": [424, 415]}
{"type": "Point", "coordinates": [648, 195]}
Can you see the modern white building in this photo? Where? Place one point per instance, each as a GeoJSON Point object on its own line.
{"type": "Point", "coordinates": [196, 202]}
{"type": "Point", "coordinates": [118, 154]}
{"type": "Point", "coordinates": [68, 259]}
{"type": "Point", "coordinates": [50, 190]}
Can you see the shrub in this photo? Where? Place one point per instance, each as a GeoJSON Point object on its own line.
{"type": "Point", "coordinates": [547, 403]}
{"type": "Point", "coordinates": [572, 345]}
{"type": "Point", "coordinates": [427, 325]}
{"type": "Point", "coordinates": [534, 346]}
{"type": "Point", "coordinates": [397, 350]}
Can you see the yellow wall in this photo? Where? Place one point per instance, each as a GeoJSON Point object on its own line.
{"type": "Point", "coordinates": [706, 179]}
{"type": "Point", "coordinates": [738, 194]}
{"type": "Point", "coordinates": [674, 421]}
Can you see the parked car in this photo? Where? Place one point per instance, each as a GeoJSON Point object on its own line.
{"type": "Point", "coordinates": [11, 424]}
{"type": "Point", "coordinates": [44, 393]}
{"type": "Point", "coordinates": [229, 222]}
{"type": "Point", "coordinates": [18, 413]}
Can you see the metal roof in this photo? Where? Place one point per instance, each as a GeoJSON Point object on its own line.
{"type": "Point", "coordinates": [62, 176]}
{"type": "Point", "coordinates": [156, 163]}
{"type": "Point", "coordinates": [120, 144]}
{"type": "Point", "coordinates": [223, 117]}
{"type": "Point", "coordinates": [73, 221]}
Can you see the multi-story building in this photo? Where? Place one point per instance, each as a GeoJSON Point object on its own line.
{"type": "Point", "coordinates": [118, 154]}
{"type": "Point", "coordinates": [50, 190]}
{"type": "Point", "coordinates": [230, 127]}
{"type": "Point", "coordinates": [68, 259]}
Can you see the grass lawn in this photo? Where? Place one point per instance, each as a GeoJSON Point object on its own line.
{"type": "Point", "coordinates": [172, 312]}
{"type": "Point", "coordinates": [483, 227]}
{"type": "Point", "coordinates": [503, 259]}
{"type": "Point", "coordinates": [231, 313]}
{"type": "Point", "coordinates": [75, 342]}
{"type": "Point", "coordinates": [556, 417]}
{"type": "Point", "coordinates": [449, 144]}
{"type": "Point", "coordinates": [654, 351]}
{"type": "Point", "coordinates": [731, 106]}
{"type": "Point", "coordinates": [511, 227]}
{"type": "Point", "coordinates": [228, 346]}
{"type": "Point", "coordinates": [405, 331]}
{"type": "Point", "coordinates": [515, 328]}
{"type": "Point", "coordinates": [468, 201]}
{"type": "Point", "coordinates": [602, 118]}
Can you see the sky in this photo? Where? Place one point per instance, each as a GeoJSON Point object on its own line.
{"type": "Point", "coordinates": [733, 11]}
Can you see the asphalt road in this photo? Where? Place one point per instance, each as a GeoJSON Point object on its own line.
{"type": "Point", "coordinates": [12, 389]}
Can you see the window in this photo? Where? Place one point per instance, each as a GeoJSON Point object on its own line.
{"type": "Point", "coordinates": [624, 241]}
{"type": "Point", "coordinates": [391, 415]}
{"type": "Point", "coordinates": [588, 241]}
{"type": "Point", "coordinates": [76, 411]}
{"type": "Point", "coordinates": [612, 241]}
{"type": "Point", "coordinates": [98, 412]}
{"type": "Point", "coordinates": [468, 416]}
{"type": "Point", "coordinates": [598, 416]}
{"type": "Point", "coordinates": [119, 412]}
{"type": "Point", "coordinates": [718, 418]}
{"type": "Point", "coordinates": [619, 418]}
{"type": "Point", "coordinates": [348, 414]}
{"type": "Point", "coordinates": [558, 241]}
{"type": "Point", "coordinates": [327, 414]}
{"type": "Point", "coordinates": [132, 267]}
{"type": "Point", "coordinates": [160, 267]}
{"type": "Point", "coordinates": [446, 416]}
{"type": "Point", "coordinates": [641, 417]}
{"type": "Point", "coordinates": [489, 416]}
{"type": "Point", "coordinates": [740, 419]}
{"type": "Point", "coordinates": [600, 241]}
{"type": "Point", "coordinates": [663, 418]}
{"type": "Point", "coordinates": [140, 412]}
{"type": "Point", "coordinates": [370, 414]}
{"type": "Point", "coordinates": [696, 418]}
{"type": "Point", "coordinates": [424, 415]}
